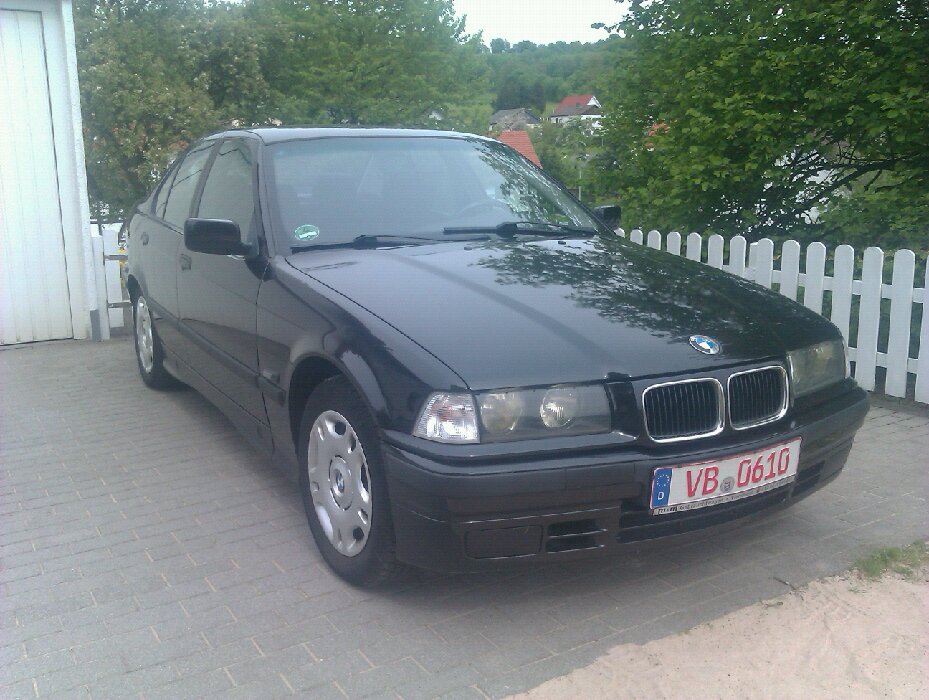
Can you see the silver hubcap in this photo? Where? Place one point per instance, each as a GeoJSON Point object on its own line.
{"type": "Point", "coordinates": [143, 334]}
{"type": "Point", "coordinates": [339, 483]}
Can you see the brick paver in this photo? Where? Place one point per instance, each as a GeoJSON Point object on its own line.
{"type": "Point", "coordinates": [147, 550]}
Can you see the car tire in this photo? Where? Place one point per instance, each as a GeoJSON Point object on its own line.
{"type": "Point", "coordinates": [343, 486]}
{"type": "Point", "coordinates": [149, 353]}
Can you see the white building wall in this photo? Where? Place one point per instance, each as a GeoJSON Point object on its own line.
{"type": "Point", "coordinates": [47, 272]}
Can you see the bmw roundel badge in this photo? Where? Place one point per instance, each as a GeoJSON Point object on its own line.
{"type": "Point", "coordinates": [704, 344]}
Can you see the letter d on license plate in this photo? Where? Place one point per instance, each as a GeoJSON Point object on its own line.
{"type": "Point", "coordinates": [702, 484]}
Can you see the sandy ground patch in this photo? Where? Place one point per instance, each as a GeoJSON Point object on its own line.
{"type": "Point", "coordinates": [842, 637]}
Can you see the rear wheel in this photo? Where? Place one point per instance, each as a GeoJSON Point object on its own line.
{"type": "Point", "coordinates": [343, 485]}
{"type": "Point", "coordinates": [149, 352]}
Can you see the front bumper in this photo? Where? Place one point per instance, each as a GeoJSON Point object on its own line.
{"type": "Point", "coordinates": [451, 518]}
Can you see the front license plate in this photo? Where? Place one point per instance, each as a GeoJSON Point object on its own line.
{"type": "Point", "coordinates": [702, 484]}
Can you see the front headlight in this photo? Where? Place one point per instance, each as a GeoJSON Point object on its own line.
{"type": "Point", "coordinates": [515, 414]}
{"type": "Point", "coordinates": [525, 414]}
{"type": "Point", "coordinates": [817, 366]}
{"type": "Point", "coordinates": [501, 410]}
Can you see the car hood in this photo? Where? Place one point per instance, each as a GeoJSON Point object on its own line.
{"type": "Point", "coordinates": [536, 312]}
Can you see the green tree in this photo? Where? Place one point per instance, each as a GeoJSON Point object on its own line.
{"type": "Point", "coordinates": [136, 111]}
{"type": "Point", "coordinates": [515, 92]}
{"type": "Point", "coordinates": [883, 214]}
{"type": "Point", "coordinates": [744, 116]}
{"type": "Point", "coordinates": [574, 154]}
{"type": "Point", "coordinates": [499, 45]}
{"type": "Point", "coordinates": [226, 53]}
{"type": "Point", "coordinates": [369, 61]}
{"type": "Point", "coordinates": [557, 158]}
{"type": "Point", "coordinates": [560, 68]}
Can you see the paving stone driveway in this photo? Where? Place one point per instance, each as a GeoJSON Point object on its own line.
{"type": "Point", "coordinates": [146, 550]}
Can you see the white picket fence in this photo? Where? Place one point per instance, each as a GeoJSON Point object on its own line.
{"type": "Point", "coordinates": [756, 262]}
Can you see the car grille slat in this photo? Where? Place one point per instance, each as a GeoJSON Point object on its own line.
{"type": "Point", "coordinates": [681, 410]}
{"type": "Point", "coordinates": [757, 397]}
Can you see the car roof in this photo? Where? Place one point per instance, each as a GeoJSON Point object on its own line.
{"type": "Point", "coordinates": [276, 134]}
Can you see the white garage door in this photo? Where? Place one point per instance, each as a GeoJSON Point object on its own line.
{"type": "Point", "coordinates": [34, 299]}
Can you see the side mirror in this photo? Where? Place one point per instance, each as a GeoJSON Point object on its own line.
{"type": "Point", "coordinates": [215, 236]}
{"type": "Point", "coordinates": [609, 214]}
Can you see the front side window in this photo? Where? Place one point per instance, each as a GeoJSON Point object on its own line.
{"type": "Point", "coordinates": [229, 189]}
{"type": "Point", "coordinates": [187, 175]}
{"type": "Point", "coordinates": [330, 190]}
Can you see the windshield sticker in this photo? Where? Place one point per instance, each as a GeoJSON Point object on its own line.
{"type": "Point", "coordinates": [307, 232]}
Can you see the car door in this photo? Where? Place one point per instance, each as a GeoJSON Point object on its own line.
{"type": "Point", "coordinates": [217, 294]}
{"type": "Point", "coordinates": [156, 234]}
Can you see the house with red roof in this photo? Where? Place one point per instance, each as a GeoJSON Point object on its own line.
{"type": "Point", "coordinates": [578, 107]}
{"type": "Point", "coordinates": [521, 143]}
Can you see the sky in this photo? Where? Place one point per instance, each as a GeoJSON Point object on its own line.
{"type": "Point", "coordinates": [539, 21]}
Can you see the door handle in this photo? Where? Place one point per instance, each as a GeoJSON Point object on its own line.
{"type": "Point", "coordinates": [185, 262]}
{"type": "Point", "coordinates": [144, 238]}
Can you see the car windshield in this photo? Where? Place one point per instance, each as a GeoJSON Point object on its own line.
{"type": "Point", "coordinates": [329, 191]}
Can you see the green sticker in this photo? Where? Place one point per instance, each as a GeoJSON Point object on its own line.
{"type": "Point", "coordinates": [307, 232]}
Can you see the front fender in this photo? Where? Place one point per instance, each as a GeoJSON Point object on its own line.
{"type": "Point", "coordinates": [301, 320]}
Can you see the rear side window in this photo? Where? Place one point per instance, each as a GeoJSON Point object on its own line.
{"type": "Point", "coordinates": [177, 207]}
{"type": "Point", "coordinates": [229, 190]}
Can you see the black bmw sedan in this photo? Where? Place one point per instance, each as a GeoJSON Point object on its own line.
{"type": "Point", "coordinates": [461, 363]}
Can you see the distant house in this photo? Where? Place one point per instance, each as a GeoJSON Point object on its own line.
{"type": "Point", "coordinates": [513, 119]}
{"type": "Point", "coordinates": [578, 107]}
{"type": "Point", "coordinates": [520, 142]}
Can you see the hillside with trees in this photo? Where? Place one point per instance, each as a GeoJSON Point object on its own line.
{"type": "Point", "coordinates": [530, 75]}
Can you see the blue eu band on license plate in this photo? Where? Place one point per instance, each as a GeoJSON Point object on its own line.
{"type": "Point", "coordinates": [661, 490]}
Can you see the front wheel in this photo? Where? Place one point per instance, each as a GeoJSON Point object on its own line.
{"type": "Point", "coordinates": [343, 485]}
{"type": "Point", "coordinates": [149, 352]}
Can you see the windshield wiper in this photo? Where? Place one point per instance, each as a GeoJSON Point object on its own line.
{"type": "Point", "coordinates": [508, 229]}
{"type": "Point", "coordinates": [366, 241]}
